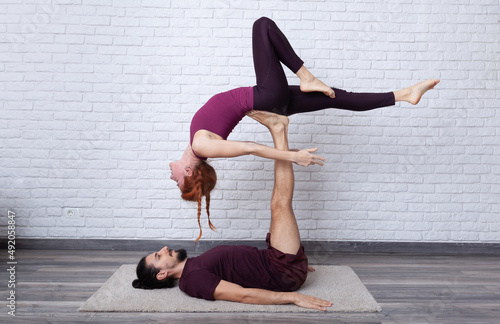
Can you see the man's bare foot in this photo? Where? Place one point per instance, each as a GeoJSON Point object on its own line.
{"type": "Point", "coordinates": [315, 85]}
{"type": "Point", "coordinates": [414, 93]}
{"type": "Point", "coordinates": [272, 121]}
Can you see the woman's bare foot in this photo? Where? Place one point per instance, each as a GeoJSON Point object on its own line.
{"type": "Point", "coordinates": [316, 85]}
{"type": "Point", "coordinates": [415, 92]}
{"type": "Point", "coordinates": [309, 83]}
{"type": "Point", "coordinates": [272, 121]}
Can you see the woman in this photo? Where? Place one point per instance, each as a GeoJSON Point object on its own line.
{"type": "Point", "coordinates": [213, 123]}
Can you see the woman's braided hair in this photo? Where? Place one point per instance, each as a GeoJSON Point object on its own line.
{"type": "Point", "coordinates": [200, 184]}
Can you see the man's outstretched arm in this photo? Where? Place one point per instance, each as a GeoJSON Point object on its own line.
{"type": "Point", "coordinates": [233, 292]}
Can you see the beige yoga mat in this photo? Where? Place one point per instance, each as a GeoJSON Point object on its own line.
{"type": "Point", "coordinates": [338, 284]}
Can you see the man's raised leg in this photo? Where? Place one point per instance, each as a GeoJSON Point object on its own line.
{"type": "Point", "coordinates": [284, 231]}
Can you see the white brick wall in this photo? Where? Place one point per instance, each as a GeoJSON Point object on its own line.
{"type": "Point", "coordinates": [96, 98]}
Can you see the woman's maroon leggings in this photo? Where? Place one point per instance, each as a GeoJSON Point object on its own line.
{"type": "Point", "coordinates": [272, 92]}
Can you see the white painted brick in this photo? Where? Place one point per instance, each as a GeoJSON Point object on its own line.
{"type": "Point", "coordinates": [33, 232]}
{"type": "Point", "coordinates": [41, 222]}
{"type": "Point", "coordinates": [62, 232]}
{"type": "Point", "coordinates": [95, 233]}
{"type": "Point", "coordinates": [103, 108]}
{"type": "Point", "coordinates": [469, 236]}
{"type": "Point", "coordinates": [128, 222]}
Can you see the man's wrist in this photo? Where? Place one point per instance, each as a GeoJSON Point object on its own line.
{"type": "Point", "coordinates": [292, 297]}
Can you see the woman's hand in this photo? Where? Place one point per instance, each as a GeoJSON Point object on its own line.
{"type": "Point", "coordinates": [307, 301]}
{"type": "Point", "coordinates": [306, 158]}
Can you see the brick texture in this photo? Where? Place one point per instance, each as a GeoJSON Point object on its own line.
{"type": "Point", "coordinates": [96, 98]}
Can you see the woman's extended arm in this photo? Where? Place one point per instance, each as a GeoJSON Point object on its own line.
{"type": "Point", "coordinates": [219, 148]}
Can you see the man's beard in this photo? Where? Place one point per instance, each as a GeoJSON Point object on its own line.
{"type": "Point", "coordinates": [181, 255]}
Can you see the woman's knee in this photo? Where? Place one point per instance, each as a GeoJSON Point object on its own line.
{"type": "Point", "coordinates": [262, 23]}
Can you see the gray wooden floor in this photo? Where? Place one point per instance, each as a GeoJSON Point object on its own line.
{"type": "Point", "coordinates": [53, 284]}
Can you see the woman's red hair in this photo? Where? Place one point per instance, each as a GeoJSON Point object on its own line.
{"type": "Point", "coordinates": [200, 184]}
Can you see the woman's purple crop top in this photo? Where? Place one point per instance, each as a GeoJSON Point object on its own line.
{"type": "Point", "coordinates": [222, 113]}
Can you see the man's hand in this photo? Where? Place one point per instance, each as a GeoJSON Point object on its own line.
{"type": "Point", "coordinates": [306, 158]}
{"type": "Point", "coordinates": [307, 301]}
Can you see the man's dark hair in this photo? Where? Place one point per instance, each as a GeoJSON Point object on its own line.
{"type": "Point", "coordinates": [147, 277]}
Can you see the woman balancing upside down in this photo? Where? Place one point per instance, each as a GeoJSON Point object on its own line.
{"type": "Point", "coordinates": [213, 123]}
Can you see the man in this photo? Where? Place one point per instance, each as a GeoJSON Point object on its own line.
{"type": "Point", "coordinates": [243, 273]}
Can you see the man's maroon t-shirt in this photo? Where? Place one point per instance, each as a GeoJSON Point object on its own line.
{"type": "Point", "coordinates": [244, 265]}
